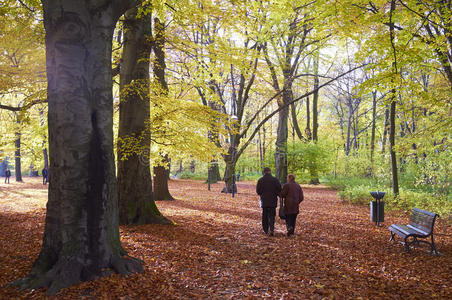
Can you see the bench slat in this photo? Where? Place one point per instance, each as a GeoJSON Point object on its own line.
{"type": "Point", "coordinates": [419, 230]}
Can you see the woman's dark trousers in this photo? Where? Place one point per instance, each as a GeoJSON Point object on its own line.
{"type": "Point", "coordinates": [291, 219]}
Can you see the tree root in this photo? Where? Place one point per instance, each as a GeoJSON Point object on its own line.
{"type": "Point", "coordinates": [70, 271]}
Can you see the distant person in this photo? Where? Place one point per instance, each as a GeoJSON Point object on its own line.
{"type": "Point", "coordinates": [7, 175]}
{"type": "Point", "coordinates": [293, 195]}
{"type": "Point", "coordinates": [268, 188]}
{"type": "Point", "coordinates": [45, 176]}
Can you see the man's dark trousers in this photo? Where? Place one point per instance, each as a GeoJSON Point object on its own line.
{"type": "Point", "coordinates": [291, 219]}
{"type": "Point", "coordinates": [268, 218]}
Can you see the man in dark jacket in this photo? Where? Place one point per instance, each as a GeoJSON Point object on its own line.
{"type": "Point", "coordinates": [45, 175]}
{"type": "Point", "coordinates": [7, 175]}
{"type": "Point", "coordinates": [268, 188]}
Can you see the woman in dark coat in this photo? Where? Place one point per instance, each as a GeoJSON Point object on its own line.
{"type": "Point", "coordinates": [293, 195]}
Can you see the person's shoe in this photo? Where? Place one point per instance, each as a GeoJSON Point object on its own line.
{"type": "Point", "coordinates": [271, 233]}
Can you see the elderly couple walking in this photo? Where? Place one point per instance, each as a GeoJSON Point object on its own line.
{"type": "Point", "coordinates": [269, 188]}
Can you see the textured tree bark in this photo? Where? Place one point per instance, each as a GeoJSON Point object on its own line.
{"type": "Point", "coordinates": [17, 156]}
{"type": "Point", "coordinates": [281, 137]}
{"type": "Point", "coordinates": [81, 235]}
{"type": "Point", "coordinates": [136, 202]}
{"type": "Point", "coordinates": [228, 173]}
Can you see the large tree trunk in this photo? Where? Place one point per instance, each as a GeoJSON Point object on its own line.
{"type": "Point", "coordinates": [281, 138]}
{"type": "Point", "coordinates": [81, 235]}
{"type": "Point", "coordinates": [161, 191]}
{"type": "Point", "coordinates": [17, 156]}
{"type": "Point", "coordinates": [136, 202]}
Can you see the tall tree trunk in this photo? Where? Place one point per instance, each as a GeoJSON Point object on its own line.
{"type": "Point", "coordinates": [372, 137]}
{"type": "Point", "coordinates": [315, 123]}
{"type": "Point", "coordinates": [296, 127]}
{"type": "Point", "coordinates": [392, 116]}
{"type": "Point", "coordinates": [385, 131]}
{"type": "Point", "coordinates": [136, 202]}
{"type": "Point", "coordinates": [81, 235]}
{"type": "Point", "coordinates": [315, 99]}
{"type": "Point", "coordinates": [160, 172]}
{"type": "Point", "coordinates": [17, 155]}
{"type": "Point", "coordinates": [44, 142]}
{"type": "Point", "coordinates": [161, 191]}
{"type": "Point", "coordinates": [282, 134]}
{"type": "Point", "coordinates": [395, 179]}
{"type": "Point", "coordinates": [308, 119]}
{"type": "Point", "coordinates": [261, 156]}
{"type": "Point", "coordinates": [349, 125]}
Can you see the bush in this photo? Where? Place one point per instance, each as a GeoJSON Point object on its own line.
{"type": "Point", "coordinates": [357, 191]}
{"type": "Point", "coordinates": [190, 175]}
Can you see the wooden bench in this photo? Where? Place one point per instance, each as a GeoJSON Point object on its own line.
{"type": "Point", "coordinates": [420, 226]}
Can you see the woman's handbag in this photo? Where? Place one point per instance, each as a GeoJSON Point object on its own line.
{"type": "Point", "coordinates": [282, 214]}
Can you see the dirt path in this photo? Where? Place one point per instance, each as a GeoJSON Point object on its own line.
{"type": "Point", "coordinates": [217, 251]}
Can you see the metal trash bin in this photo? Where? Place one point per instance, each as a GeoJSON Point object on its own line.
{"type": "Point", "coordinates": [377, 208]}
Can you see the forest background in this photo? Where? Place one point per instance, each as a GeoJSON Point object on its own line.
{"type": "Point", "coordinates": [353, 94]}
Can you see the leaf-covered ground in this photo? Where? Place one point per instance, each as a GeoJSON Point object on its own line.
{"type": "Point", "coordinates": [217, 250]}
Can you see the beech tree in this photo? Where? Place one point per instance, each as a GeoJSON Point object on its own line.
{"type": "Point", "coordinates": [136, 201]}
{"type": "Point", "coordinates": [81, 234]}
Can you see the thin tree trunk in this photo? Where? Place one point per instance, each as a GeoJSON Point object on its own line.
{"type": "Point", "coordinates": [372, 138]}
{"type": "Point", "coordinates": [136, 202]}
{"type": "Point", "coordinates": [81, 235]}
{"type": "Point", "coordinates": [392, 116]}
{"type": "Point", "coordinates": [17, 155]}
{"type": "Point", "coordinates": [395, 179]}
{"type": "Point", "coordinates": [315, 99]}
{"type": "Point", "coordinates": [296, 127]}
{"type": "Point", "coordinates": [385, 131]}
{"type": "Point", "coordinates": [308, 120]}
{"type": "Point", "coordinates": [349, 125]}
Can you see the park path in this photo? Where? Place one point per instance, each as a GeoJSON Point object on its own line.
{"type": "Point", "coordinates": [216, 250]}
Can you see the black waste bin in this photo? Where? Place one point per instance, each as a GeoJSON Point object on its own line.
{"type": "Point", "coordinates": [377, 211]}
{"type": "Point", "coordinates": [377, 208]}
